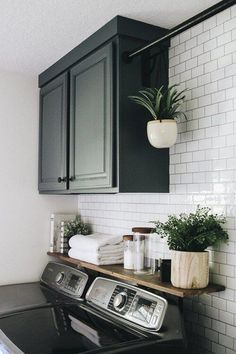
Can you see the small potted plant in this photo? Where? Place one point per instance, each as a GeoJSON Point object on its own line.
{"type": "Point", "coordinates": [188, 236]}
{"type": "Point", "coordinates": [164, 106]}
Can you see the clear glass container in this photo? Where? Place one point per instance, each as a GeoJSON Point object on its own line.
{"type": "Point", "coordinates": [144, 262]}
{"type": "Point", "coordinates": [128, 252]}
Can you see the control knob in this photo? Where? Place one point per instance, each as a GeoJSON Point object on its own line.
{"type": "Point", "coordinates": [120, 301]}
{"type": "Point", "coordinates": [59, 277]}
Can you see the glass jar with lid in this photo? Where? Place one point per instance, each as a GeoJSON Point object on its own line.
{"type": "Point", "coordinates": [144, 262]}
{"type": "Point", "coordinates": [128, 252]}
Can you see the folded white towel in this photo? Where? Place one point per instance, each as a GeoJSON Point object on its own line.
{"type": "Point", "coordinates": [115, 255]}
{"type": "Point", "coordinates": [95, 242]}
{"type": "Point", "coordinates": [110, 248]}
{"type": "Point", "coordinates": [95, 258]}
{"type": "Point", "coordinates": [109, 253]}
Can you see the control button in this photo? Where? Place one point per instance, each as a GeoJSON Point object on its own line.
{"type": "Point", "coordinates": [151, 311]}
{"type": "Point", "coordinates": [120, 301]}
{"type": "Point", "coordinates": [59, 277]}
{"type": "Point", "coordinates": [154, 319]}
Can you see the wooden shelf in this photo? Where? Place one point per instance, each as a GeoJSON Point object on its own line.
{"type": "Point", "coordinates": [149, 281]}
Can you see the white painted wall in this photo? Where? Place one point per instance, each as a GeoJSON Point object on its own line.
{"type": "Point", "coordinates": [202, 171]}
{"type": "Point", "coordinates": [24, 214]}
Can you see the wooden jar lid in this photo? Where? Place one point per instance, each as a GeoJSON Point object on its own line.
{"type": "Point", "coordinates": [142, 230]}
{"type": "Point", "coordinates": [128, 237]}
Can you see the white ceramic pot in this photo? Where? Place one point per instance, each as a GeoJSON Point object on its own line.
{"type": "Point", "coordinates": [189, 270]}
{"type": "Point", "coordinates": [162, 133]}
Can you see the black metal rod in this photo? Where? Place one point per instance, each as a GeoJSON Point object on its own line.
{"type": "Point", "coordinates": [204, 15]}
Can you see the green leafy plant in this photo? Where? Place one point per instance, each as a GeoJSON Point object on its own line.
{"type": "Point", "coordinates": [194, 232]}
{"type": "Point", "coordinates": [161, 103]}
{"type": "Point", "coordinates": [75, 227]}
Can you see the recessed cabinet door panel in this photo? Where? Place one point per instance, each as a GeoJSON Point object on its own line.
{"type": "Point", "coordinates": [52, 139]}
{"type": "Point", "coordinates": [91, 121]}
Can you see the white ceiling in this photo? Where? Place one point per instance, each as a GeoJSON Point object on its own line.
{"type": "Point", "coordinates": [36, 33]}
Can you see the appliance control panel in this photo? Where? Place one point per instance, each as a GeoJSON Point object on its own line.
{"type": "Point", "coordinates": [65, 279]}
{"type": "Point", "coordinates": [128, 302]}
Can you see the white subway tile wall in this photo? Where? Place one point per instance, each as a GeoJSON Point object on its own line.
{"type": "Point", "coordinates": [202, 171]}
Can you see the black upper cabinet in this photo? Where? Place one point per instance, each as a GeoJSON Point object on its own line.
{"type": "Point", "coordinates": [91, 121]}
{"type": "Point", "coordinates": [53, 135]}
{"type": "Point", "coordinates": [92, 137]}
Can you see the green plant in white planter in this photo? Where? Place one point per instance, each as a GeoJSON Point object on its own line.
{"type": "Point", "coordinates": [164, 107]}
{"type": "Point", "coordinates": [188, 236]}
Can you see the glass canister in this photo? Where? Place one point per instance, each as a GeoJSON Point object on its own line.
{"type": "Point", "coordinates": [128, 252]}
{"type": "Point", "coordinates": [144, 263]}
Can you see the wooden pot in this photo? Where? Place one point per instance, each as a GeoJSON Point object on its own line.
{"type": "Point", "coordinates": [190, 270]}
{"type": "Point", "coordinates": [162, 133]}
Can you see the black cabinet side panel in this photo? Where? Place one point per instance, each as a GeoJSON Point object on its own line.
{"type": "Point", "coordinates": [142, 168]}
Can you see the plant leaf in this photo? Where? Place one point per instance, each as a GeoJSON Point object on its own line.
{"type": "Point", "coordinates": [161, 104]}
{"type": "Point", "coordinates": [141, 101]}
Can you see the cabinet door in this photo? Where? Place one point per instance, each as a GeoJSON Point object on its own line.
{"type": "Point", "coordinates": [53, 135]}
{"type": "Point", "coordinates": [91, 122]}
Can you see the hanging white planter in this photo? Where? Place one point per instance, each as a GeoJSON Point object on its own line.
{"type": "Point", "coordinates": [162, 133]}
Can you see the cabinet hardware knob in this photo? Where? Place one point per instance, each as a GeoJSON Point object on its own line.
{"type": "Point", "coordinates": [72, 179]}
{"type": "Point", "coordinates": [61, 179]}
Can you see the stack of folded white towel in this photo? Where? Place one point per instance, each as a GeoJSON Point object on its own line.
{"type": "Point", "coordinates": [97, 248]}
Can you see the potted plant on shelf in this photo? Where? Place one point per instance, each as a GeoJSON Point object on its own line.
{"type": "Point", "coordinates": [188, 236]}
{"type": "Point", "coordinates": [164, 106]}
